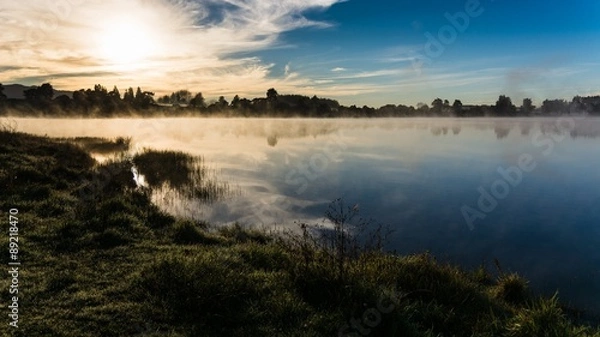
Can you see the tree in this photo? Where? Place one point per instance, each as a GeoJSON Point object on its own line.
{"type": "Point", "coordinates": [80, 102]}
{"type": "Point", "coordinates": [39, 96]}
{"type": "Point", "coordinates": [30, 94]}
{"type": "Point", "coordinates": [46, 92]}
{"type": "Point", "coordinates": [457, 107]}
{"type": "Point", "coordinates": [143, 99]}
{"type": "Point", "coordinates": [164, 99]}
{"type": "Point", "coordinates": [504, 106]}
{"type": "Point", "coordinates": [181, 97]}
{"type": "Point", "coordinates": [139, 95]}
{"type": "Point", "coordinates": [223, 104]}
{"type": "Point", "coordinates": [437, 105]}
{"type": "Point", "coordinates": [115, 93]}
{"type": "Point", "coordinates": [272, 95]}
{"type": "Point", "coordinates": [198, 101]}
{"type": "Point", "coordinates": [527, 107]}
{"type": "Point", "coordinates": [63, 102]}
{"type": "Point", "coordinates": [129, 97]}
{"type": "Point", "coordinates": [2, 95]}
{"type": "Point", "coordinates": [555, 106]}
{"type": "Point", "coordinates": [235, 102]}
{"type": "Point", "coordinates": [422, 108]}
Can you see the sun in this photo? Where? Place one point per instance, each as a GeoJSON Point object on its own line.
{"type": "Point", "coordinates": [126, 43]}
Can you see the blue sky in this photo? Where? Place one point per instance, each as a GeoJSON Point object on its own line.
{"type": "Point", "coordinates": [357, 51]}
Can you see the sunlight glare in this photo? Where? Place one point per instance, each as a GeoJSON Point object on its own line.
{"type": "Point", "coordinates": [126, 42]}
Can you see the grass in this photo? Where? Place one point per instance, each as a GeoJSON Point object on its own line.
{"type": "Point", "coordinates": [102, 145]}
{"type": "Point", "coordinates": [99, 259]}
{"type": "Point", "coordinates": [186, 175]}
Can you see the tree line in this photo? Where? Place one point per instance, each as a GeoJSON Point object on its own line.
{"type": "Point", "coordinates": [100, 102]}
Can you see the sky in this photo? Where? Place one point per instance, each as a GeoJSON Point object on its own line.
{"type": "Point", "coordinates": [356, 51]}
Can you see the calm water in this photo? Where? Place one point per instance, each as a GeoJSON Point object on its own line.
{"type": "Point", "coordinates": [524, 191]}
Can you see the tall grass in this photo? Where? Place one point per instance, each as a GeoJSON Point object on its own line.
{"type": "Point", "coordinates": [102, 145]}
{"type": "Point", "coordinates": [177, 172]}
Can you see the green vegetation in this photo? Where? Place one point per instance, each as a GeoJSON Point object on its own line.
{"type": "Point", "coordinates": [99, 259]}
{"type": "Point", "coordinates": [186, 175]}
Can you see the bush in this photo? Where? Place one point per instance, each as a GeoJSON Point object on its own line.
{"type": "Point", "coordinates": [512, 288]}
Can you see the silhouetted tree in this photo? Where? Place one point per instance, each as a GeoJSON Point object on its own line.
{"type": "Point", "coordinates": [164, 99]}
{"type": "Point", "coordinates": [40, 97]}
{"type": "Point", "coordinates": [198, 101]}
{"type": "Point", "coordinates": [80, 102]}
{"type": "Point", "coordinates": [235, 102]}
{"type": "Point", "coordinates": [115, 94]}
{"type": "Point", "coordinates": [2, 95]}
{"type": "Point", "coordinates": [139, 96]}
{"type": "Point", "coordinates": [527, 107]}
{"type": "Point", "coordinates": [272, 95]}
{"type": "Point", "coordinates": [437, 105]}
{"type": "Point", "coordinates": [128, 96]}
{"type": "Point", "coordinates": [99, 100]}
{"type": "Point", "coordinates": [245, 105]}
{"type": "Point", "coordinates": [180, 97]}
{"type": "Point", "coordinates": [555, 106]}
{"type": "Point", "coordinates": [422, 108]}
{"type": "Point", "coordinates": [143, 99]}
{"type": "Point", "coordinates": [64, 102]}
{"type": "Point", "coordinates": [457, 108]}
{"type": "Point", "coordinates": [504, 106]}
{"type": "Point", "coordinates": [222, 103]}
{"type": "Point", "coordinates": [46, 92]}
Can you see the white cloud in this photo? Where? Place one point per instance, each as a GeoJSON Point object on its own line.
{"type": "Point", "coordinates": [185, 44]}
{"type": "Point", "coordinates": [338, 69]}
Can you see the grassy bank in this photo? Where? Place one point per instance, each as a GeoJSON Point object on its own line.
{"type": "Point", "coordinates": [99, 259]}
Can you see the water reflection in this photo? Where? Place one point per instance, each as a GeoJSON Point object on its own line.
{"type": "Point", "coordinates": [276, 129]}
{"type": "Point", "coordinates": [501, 131]}
{"type": "Point", "coordinates": [414, 174]}
{"type": "Point", "coordinates": [176, 178]}
{"type": "Point", "coordinates": [272, 140]}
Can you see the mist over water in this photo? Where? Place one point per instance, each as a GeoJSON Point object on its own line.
{"type": "Point", "coordinates": [416, 175]}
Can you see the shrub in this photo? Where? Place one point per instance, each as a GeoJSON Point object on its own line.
{"type": "Point", "coordinates": [512, 288]}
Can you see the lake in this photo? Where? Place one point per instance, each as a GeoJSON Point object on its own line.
{"type": "Point", "coordinates": [524, 191]}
